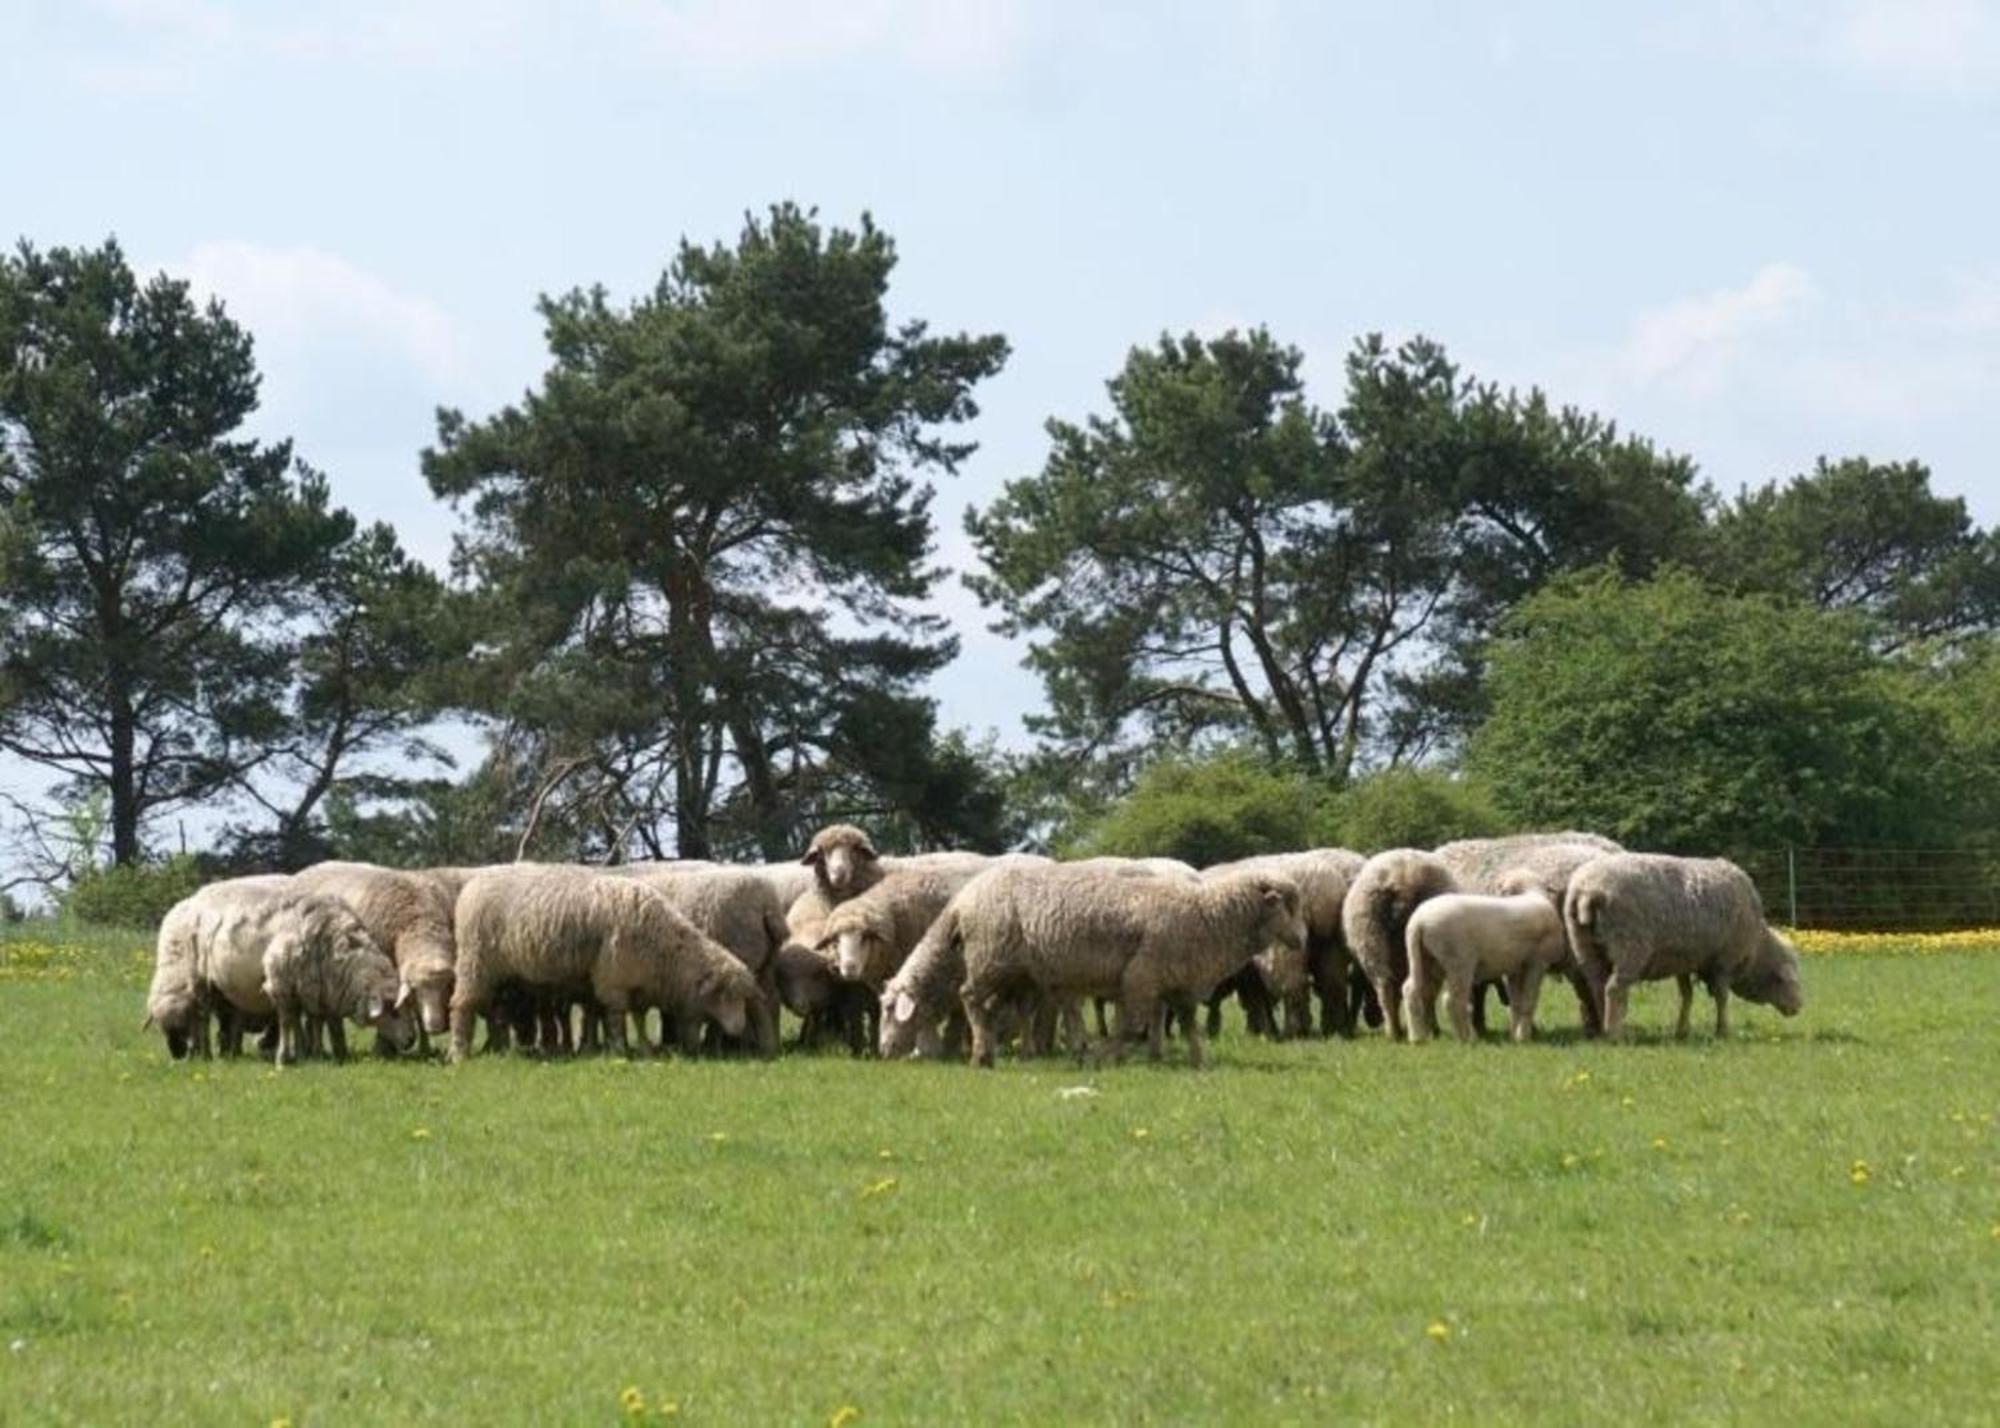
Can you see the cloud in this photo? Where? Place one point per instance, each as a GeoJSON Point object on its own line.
{"type": "Point", "coordinates": [733, 39]}
{"type": "Point", "coordinates": [1928, 44]}
{"type": "Point", "coordinates": [1692, 343]}
{"type": "Point", "coordinates": [295, 296]}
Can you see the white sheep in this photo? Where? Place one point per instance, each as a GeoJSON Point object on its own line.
{"type": "Point", "coordinates": [619, 940]}
{"type": "Point", "coordinates": [1459, 940]}
{"type": "Point", "coordinates": [1388, 889]}
{"type": "Point", "coordinates": [1635, 917]}
{"type": "Point", "coordinates": [408, 915]}
{"type": "Point", "coordinates": [1327, 968]}
{"type": "Point", "coordinates": [1063, 934]}
{"type": "Point", "coordinates": [735, 907]}
{"type": "Point", "coordinates": [869, 936]}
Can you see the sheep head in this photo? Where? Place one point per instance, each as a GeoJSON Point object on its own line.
{"type": "Point", "coordinates": [900, 1031]}
{"type": "Point", "coordinates": [724, 997]}
{"type": "Point", "coordinates": [856, 939]}
{"type": "Point", "coordinates": [1773, 978]}
{"type": "Point", "coordinates": [839, 854]}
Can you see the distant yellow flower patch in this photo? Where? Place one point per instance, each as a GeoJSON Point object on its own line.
{"type": "Point", "coordinates": [29, 961]}
{"type": "Point", "coordinates": [1814, 943]}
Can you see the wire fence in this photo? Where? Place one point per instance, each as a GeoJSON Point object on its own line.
{"type": "Point", "coordinates": [1878, 889]}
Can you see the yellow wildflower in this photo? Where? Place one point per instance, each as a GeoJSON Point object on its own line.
{"type": "Point", "coordinates": [885, 1186]}
{"type": "Point", "coordinates": [1438, 1330]}
{"type": "Point", "coordinates": [1141, 1133]}
{"type": "Point", "coordinates": [1860, 1173]}
{"type": "Point", "coordinates": [421, 1133]}
{"type": "Point", "coordinates": [1659, 1142]}
{"type": "Point", "coordinates": [632, 1401]}
{"type": "Point", "coordinates": [843, 1415]}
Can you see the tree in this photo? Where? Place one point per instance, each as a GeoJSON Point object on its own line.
{"type": "Point", "coordinates": [1411, 808]}
{"type": "Point", "coordinates": [377, 645]}
{"type": "Point", "coordinates": [1677, 718]}
{"type": "Point", "coordinates": [149, 556]}
{"type": "Point", "coordinates": [1857, 535]}
{"type": "Point", "coordinates": [1218, 560]}
{"type": "Point", "coordinates": [698, 541]}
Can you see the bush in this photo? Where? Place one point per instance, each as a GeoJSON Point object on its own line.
{"type": "Point", "coordinates": [1411, 808]}
{"type": "Point", "coordinates": [10, 911]}
{"type": "Point", "coordinates": [1210, 811]}
{"type": "Point", "coordinates": [136, 895]}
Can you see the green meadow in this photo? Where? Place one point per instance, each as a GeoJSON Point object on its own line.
{"type": "Point", "coordinates": [1802, 1224]}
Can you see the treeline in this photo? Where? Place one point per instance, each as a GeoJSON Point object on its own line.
{"type": "Point", "coordinates": [685, 605]}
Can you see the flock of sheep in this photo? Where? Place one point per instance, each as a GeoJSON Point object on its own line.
{"type": "Point", "coordinates": [950, 954]}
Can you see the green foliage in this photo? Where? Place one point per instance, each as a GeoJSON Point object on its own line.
{"type": "Point", "coordinates": [697, 542]}
{"type": "Point", "coordinates": [10, 910]}
{"type": "Point", "coordinates": [1651, 1232]}
{"type": "Point", "coordinates": [1673, 717]}
{"type": "Point", "coordinates": [148, 553]}
{"type": "Point", "coordinates": [1219, 560]}
{"type": "Point", "coordinates": [1206, 811]}
{"type": "Point", "coordinates": [1411, 808]}
{"type": "Point", "coordinates": [1857, 535]}
{"type": "Point", "coordinates": [135, 895]}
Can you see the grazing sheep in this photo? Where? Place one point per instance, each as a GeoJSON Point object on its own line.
{"type": "Point", "coordinates": [178, 1001]}
{"type": "Point", "coordinates": [572, 929]}
{"type": "Point", "coordinates": [1484, 865]}
{"type": "Point", "coordinates": [260, 948]}
{"type": "Point", "coordinates": [735, 907]}
{"type": "Point", "coordinates": [843, 861]}
{"type": "Point", "coordinates": [1064, 934]}
{"type": "Point", "coordinates": [1461, 939]}
{"type": "Point", "coordinates": [1635, 917]}
{"type": "Point", "coordinates": [1389, 887]}
{"type": "Point", "coordinates": [406, 913]}
{"type": "Point", "coordinates": [869, 936]}
{"type": "Point", "coordinates": [1324, 876]}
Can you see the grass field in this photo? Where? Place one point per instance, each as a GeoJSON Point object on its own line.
{"type": "Point", "coordinates": [1802, 1225]}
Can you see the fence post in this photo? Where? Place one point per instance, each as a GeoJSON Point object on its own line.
{"type": "Point", "coordinates": [1792, 881]}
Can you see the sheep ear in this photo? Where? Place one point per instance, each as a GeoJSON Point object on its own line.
{"type": "Point", "coordinates": [826, 942]}
{"type": "Point", "coordinates": [905, 1008]}
{"type": "Point", "coordinates": [403, 995]}
{"type": "Point", "coordinates": [867, 849]}
{"type": "Point", "coordinates": [147, 1024]}
{"type": "Point", "coordinates": [813, 857]}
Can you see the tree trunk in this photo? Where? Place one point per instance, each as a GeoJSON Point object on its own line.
{"type": "Point", "coordinates": [124, 787]}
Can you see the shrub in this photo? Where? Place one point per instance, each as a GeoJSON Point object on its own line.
{"type": "Point", "coordinates": [1410, 808]}
{"type": "Point", "coordinates": [136, 895]}
{"type": "Point", "coordinates": [1208, 811]}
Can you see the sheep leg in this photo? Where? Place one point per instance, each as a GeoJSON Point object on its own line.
{"type": "Point", "coordinates": [979, 1017]}
{"type": "Point", "coordinates": [1589, 1007]}
{"type": "Point", "coordinates": [1459, 994]}
{"type": "Point", "coordinates": [1684, 984]}
{"type": "Point", "coordinates": [1718, 987]}
{"type": "Point", "coordinates": [288, 1034]}
{"type": "Point", "coordinates": [463, 1009]}
{"type": "Point", "coordinates": [1617, 992]}
{"type": "Point", "coordinates": [1525, 990]}
{"type": "Point", "coordinates": [1479, 991]}
{"type": "Point", "coordinates": [1186, 1006]}
{"type": "Point", "coordinates": [1215, 1000]}
{"type": "Point", "coordinates": [614, 1028]}
{"type": "Point", "coordinates": [336, 1034]}
{"type": "Point", "coordinates": [1390, 995]}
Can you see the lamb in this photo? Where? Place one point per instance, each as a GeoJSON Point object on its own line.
{"type": "Point", "coordinates": [1065, 934]}
{"type": "Point", "coordinates": [571, 928]}
{"type": "Point", "coordinates": [406, 913]}
{"type": "Point", "coordinates": [1462, 939]}
{"type": "Point", "coordinates": [1389, 887]}
{"type": "Point", "coordinates": [1323, 876]}
{"type": "Point", "coordinates": [1636, 917]}
{"type": "Point", "coordinates": [1482, 865]}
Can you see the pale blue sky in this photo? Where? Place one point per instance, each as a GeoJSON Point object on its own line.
{"type": "Point", "coordinates": [1755, 232]}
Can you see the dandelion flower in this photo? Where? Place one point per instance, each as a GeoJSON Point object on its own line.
{"type": "Point", "coordinates": [1659, 1142]}
{"type": "Point", "coordinates": [421, 1133]}
{"type": "Point", "coordinates": [1860, 1173]}
{"type": "Point", "coordinates": [1438, 1330]}
{"type": "Point", "coordinates": [671, 1408]}
{"type": "Point", "coordinates": [718, 1137]}
{"type": "Point", "coordinates": [632, 1401]}
{"type": "Point", "coordinates": [885, 1155]}
{"type": "Point", "coordinates": [1141, 1133]}
{"type": "Point", "coordinates": [843, 1415]}
{"type": "Point", "coordinates": [885, 1186]}
{"type": "Point", "coordinates": [1571, 1160]}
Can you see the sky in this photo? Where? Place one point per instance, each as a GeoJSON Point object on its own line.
{"type": "Point", "coordinates": [1755, 232]}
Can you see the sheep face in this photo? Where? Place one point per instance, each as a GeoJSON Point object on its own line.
{"type": "Point", "coordinates": [175, 1019]}
{"type": "Point", "coordinates": [430, 989]}
{"type": "Point", "coordinates": [1773, 978]}
{"type": "Point", "coordinates": [1283, 925]}
{"type": "Point", "coordinates": [900, 1031]}
{"type": "Point", "coordinates": [725, 999]}
{"type": "Point", "coordinates": [838, 857]}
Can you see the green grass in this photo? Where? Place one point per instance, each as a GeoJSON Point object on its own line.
{"type": "Point", "coordinates": [1650, 1232]}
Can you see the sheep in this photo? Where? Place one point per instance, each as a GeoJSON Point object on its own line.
{"type": "Point", "coordinates": [178, 1002]}
{"type": "Point", "coordinates": [1461, 939]}
{"type": "Point", "coordinates": [843, 861]}
{"type": "Point", "coordinates": [1636, 917]}
{"type": "Point", "coordinates": [570, 928]}
{"type": "Point", "coordinates": [870, 935]}
{"type": "Point", "coordinates": [735, 907]}
{"type": "Point", "coordinates": [1323, 876]}
{"type": "Point", "coordinates": [1389, 887]}
{"type": "Point", "coordinates": [1149, 941]}
{"type": "Point", "coordinates": [408, 915]}
{"type": "Point", "coordinates": [258, 947]}
{"type": "Point", "coordinates": [1482, 865]}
